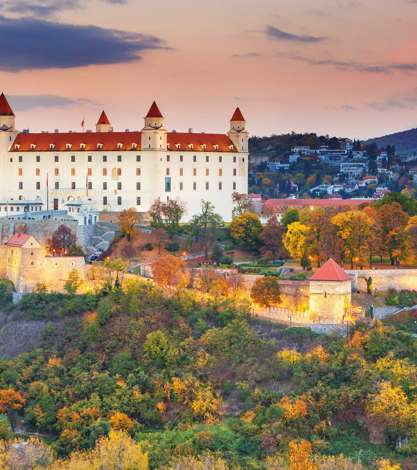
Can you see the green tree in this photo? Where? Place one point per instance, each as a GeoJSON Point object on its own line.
{"type": "Point", "coordinates": [204, 226]}
{"type": "Point", "coordinates": [407, 201]}
{"type": "Point", "coordinates": [73, 282]}
{"type": "Point", "coordinates": [167, 215]}
{"type": "Point", "coordinates": [290, 216]}
{"type": "Point", "coordinates": [245, 230]}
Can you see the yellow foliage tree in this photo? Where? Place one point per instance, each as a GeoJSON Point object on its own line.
{"type": "Point", "coordinates": [317, 354]}
{"type": "Point", "coordinates": [295, 240]}
{"type": "Point", "coordinates": [121, 422]}
{"type": "Point", "coordinates": [11, 400]}
{"type": "Point", "coordinates": [301, 457]}
{"type": "Point", "coordinates": [289, 356]}
{"type": "Point", "coordinates": [293, 409]}
{"type": "Point", "coordinates": [385, 464]}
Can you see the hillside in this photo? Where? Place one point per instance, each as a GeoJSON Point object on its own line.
{"type": "Point", "coordinates": [185, 378]}
{"type": "Point", "coordinates": [404, 141]}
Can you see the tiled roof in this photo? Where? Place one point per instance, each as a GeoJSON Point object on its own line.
{"type": "Point", "coordinates": [280, 205]}
{"type": "Point", "coordinates": [103, 119]}
{"type": "Point", "coordinates": [154, 111]}
{"type": "Point", "coordinates": [237, 115]}
{"type": "Point", "coordinates": [5, 109]}
{"type": "Point", "coordinates": [18, 239]}
{"type": "Point", "coordinates": [330, 271]}
{"type": "Point", "coordinates": [114, 141]}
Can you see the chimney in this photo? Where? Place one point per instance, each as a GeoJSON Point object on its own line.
{"type": "Point", "coordinates": [190, 130]}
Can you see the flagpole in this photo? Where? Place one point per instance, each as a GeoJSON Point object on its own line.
{"type": "Point", "coordinates": [47, 191]}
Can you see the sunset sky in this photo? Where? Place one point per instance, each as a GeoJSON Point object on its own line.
{"type": "Point", "coordinates": [338, 67]}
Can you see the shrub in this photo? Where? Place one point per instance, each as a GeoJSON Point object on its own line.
{"type": "Point", "coordinates": [172, 246]}
{"type": "Point", "coordinates": [6, 292]}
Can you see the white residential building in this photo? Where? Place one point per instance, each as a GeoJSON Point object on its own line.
{"type": "Point", "coordinates": [120, 170]}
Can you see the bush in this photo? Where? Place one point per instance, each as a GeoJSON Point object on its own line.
{"type": "Point", "coordinates": [403, 298]}
{"type": "Point", "coordinates": [172, 246]}
{"type": "Point", "coordinates": [6, 292]}
{"type": "Point", "coordinates": [6, 432]}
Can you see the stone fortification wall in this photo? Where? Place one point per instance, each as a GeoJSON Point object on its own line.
{"type": "Point", "coordinates": [385, 279]}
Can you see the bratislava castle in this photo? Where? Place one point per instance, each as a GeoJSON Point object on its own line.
{"type": "Point", "coordinates": [120, 170]}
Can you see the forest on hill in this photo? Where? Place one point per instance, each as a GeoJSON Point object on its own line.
{"type": "Point", "coordinates": [175, 380]}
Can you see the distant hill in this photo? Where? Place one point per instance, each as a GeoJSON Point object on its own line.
{"type": "Point", "coordinates": [404, 141]}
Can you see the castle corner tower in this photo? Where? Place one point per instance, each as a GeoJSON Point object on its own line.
{"type": "Point", "coordinates": [154, 134]}
{"type": "Point", "coordinates": [103, 124]}
{"type": "Point", "coordinates": [238, 133]}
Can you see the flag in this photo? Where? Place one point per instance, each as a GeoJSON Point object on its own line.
{"type": "Point", "coordinates": [83, 123]}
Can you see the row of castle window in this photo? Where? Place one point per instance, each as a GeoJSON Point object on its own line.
{"type": "Point", "coordinates": [138, 185]}
{"type": "Point", "coordinates": [118, 171]}
{"type": "Point", "coordinates": [119, 158]}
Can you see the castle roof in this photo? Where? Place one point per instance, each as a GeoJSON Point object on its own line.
{"type": "Point", "coordinates": [103, 119]}
{"type": "Point", "coordinates": [5, 109]}
{"type": "Point", "coordinates": [18, 239]}
{"type": "Point", "coordinates": [117, 141]}
{"type": "Point", "coordinates": [154, 111]}
{"type": "Point", "coordinates": [280, 205]}
{"type": "Point", "coordinates": [330, 271]}
{"type": "Point", "coordinates": [237, 115]}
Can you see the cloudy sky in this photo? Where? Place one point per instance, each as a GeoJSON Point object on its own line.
{"type": "Point", "coordinates": [339, 67]}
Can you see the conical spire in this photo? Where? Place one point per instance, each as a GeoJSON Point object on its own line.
{"type": "Point", "coordinates": [103, 119]}
{"type": "Point", "coordinates": [5, 109]}
{"type": "Point", "coordinates": [154, 111]}
{"type": "Point", "coordinates": [330, 271]}
{"type": "Point", "coordinates": [237, 115]}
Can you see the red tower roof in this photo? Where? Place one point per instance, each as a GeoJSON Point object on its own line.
{"type": "Point", "coordinates": [18, 239]}
{"type": "Point", "coordinates": [5, 109]}
{"type": "Point", "coordinates": [103, 119]}
{"type": "Point", "coordinates": [330, 271]}
{"type": "Point", "coordinates": [237, 115]}
{"type": "Point", "coordinates": [154, 111]}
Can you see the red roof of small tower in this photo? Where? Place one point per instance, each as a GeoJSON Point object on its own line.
{"type": "Point", "coordinates": [5, 109]}
{"type": "Point", "coordinates": [330, 271]}
{"type": "Point", "coordinates": [103, 119]}
{"type": "Point", "coordinates": [237, 115]}
{"type": "Point", "coordinates": [154, 111]}
{"type": "Point", "coordinates": [18, 239]}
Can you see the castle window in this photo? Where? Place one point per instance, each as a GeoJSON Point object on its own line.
{"type": "Point", "coordinates": [99, 145]}
{"type": "Point", "coordinates": [119, 172]}
{"type": "Point", "coordinates": [56, 184]}
{"type": "Point", "coordinates": [82, 146]}
{"type": "Point", "coordinates": [194, 158]}
{"type": "Point", "coordinates": [90, 172]}
{"type": "Point", "coordinates": [138, 172]}
{"type": "Point", "coordinates": [207, 185]}
{"type": "Point", "coordinates": [234, 159]}
{"type": "Point", "coordinates": [104, 200]}
{"type": "Point", "coordinates": [38, 185]}
{"type": "Point", "coordinates": [90, 158]}
{"type": "Point", "coordinates": [119, 158]}
{"type": "Point", "coordinates": [138, 201]}
{"type": "Point", "coordinates": [220, 159]}
{"type": "Point", "coordinates": [138, 186]}
{"type": "Point", "coordinates": [220, 185]}
{"type": "Point", "coordinates": [37, 171]}
{"type": "Point", "coordinates": [138, 158]}
{"type": "Point", "coordinates": [20, 171]}
{"type": "Point", "coordinates": [119, 185]}
{"type": "Point", "coordinates": [51, 146]}
{"type": "Point", "coordinates": [20, 159]}
{"type": "Point", "coordinates": [20, 186]}
{"type": "Point", "coordinates": [90, 185]}
{"type": "Point", "coordinates": [167, 171]}
{"type": "Point", "coordinates": [68, 146]}
{"type": "Point", "coordinates": [234, 186]}
{"type": "Point", "coordinates": [194, 171]}
{"type": "Point", "coordinates": [32, 146]}
{"type": "Point", "coordinates": [119, 145]}
{"type": "Point", "coordinates": [104, 171]}
{"type": "Point", "coordinates": [17, 146]}
{"type": "Point", "coordinates": [230, 147]}
{"type": "Point", "coordinates": [38, 158]}
{"type": "Point", "coordinates": [207, 158]}
{"type": "Point", "coordinates": [167, 184]}
{"type": "Point", "coordinates": [119, 200]}
{"type": "Point", "coordinates": [220, 172]}
{"type": "Point", "coordinates": [203, 146]}
{"type": "Point", "coordinates": [168, 158]}
{"type": "Point", "coordinates": [56, 158]}
{"type": "Point", "coordinates": [72, 171]}
{"type": "Point", "coordinates": [178, 146]}
{"type": "Point", "coordinates": [181, 171]}
{"type": "Point", "coordinates": [243, 160]}
{"type": "Point", "coordinates": [207, 172]}
{"type": "Point", "coordinates": [190, 146]}
{"type": "Point", "coordinates": [234, 171]}
{"type": "Point", "coordinates": [216, 147]}
{"type": "Point", "coordinates": [104, 185]}
{"type": "Point", "coordinates": [181, 158]}
{"type": "Point", "coordinates": [181, 186]}
{"type": "Point", "coordinates": [194, 186]}
{"type": "Point", "coordinates": [73, 185]}
{"type": "Point", "coordinates": [104, 158]}
{"type": "Point", "coordinates": [73, 158]}
{"type": "Point", "coordinates": [134, 146]}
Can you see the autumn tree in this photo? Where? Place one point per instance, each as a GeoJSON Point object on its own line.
{"type": "Point", "coordinates": [169, 272]}
{"type": "Point", "coordinates": [246, 229]}
{"type": "Point", "coordinates": [11, 400]}
{"type": "Point", "coordinates": [128, 219]}
{"type": "Point", "coordinates": [271, 237]}
{"type": "Point", "coordinates": [295, 239]}
{"type": "Point", "coordinates": [354, 228]}
{"type": "Point", "coordinates": [290, 216]}
{"type": "Point", "coordinates": [62, 241]}
{"type": "Point", "coordinates": [266, 291]}
{"type": "Point", "coordinates": [73, 282]}
{"type": "Point", "coordinates": [167, 215]}
{"type": "Point", "coordinates": [407, 201]}
{"type": "Point", "coordinates": [204, 226]}
{"type": "Point", "coordinates": [241, 204]}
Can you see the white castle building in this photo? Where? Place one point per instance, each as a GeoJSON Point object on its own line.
{"type": "Point", "coordinates": [120, 170]}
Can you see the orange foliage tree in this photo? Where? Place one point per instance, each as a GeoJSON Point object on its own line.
{"type": "Point", "coordinates": [11, 400]}
{"type": "Point", "coordinates": [170, 272]}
